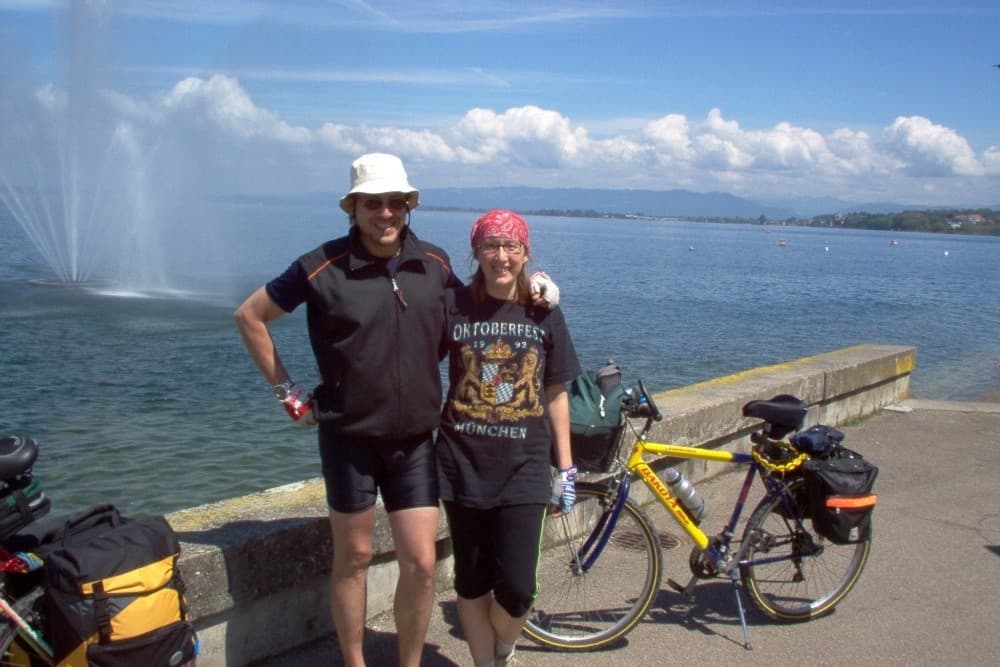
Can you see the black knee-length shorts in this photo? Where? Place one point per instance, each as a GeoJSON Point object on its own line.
{"type": "Point", "coordinates": [497, 549]}
{"type": "Point", "coordinates": [357, 469]}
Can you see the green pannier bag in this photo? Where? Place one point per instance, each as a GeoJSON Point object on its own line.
{"type": "Point", "coordinates": [595, 417]}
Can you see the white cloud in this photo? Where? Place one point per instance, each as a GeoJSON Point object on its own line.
{"type": "Point", "coordinates": [340, 138]}
{"type": "Point", "coordinates": [669, 139]}
{"type": "Point", "coordinates": [235, 144]}
{"type": "Point", "coordinates": [928, 149]}
{"type": "Point", "coordinates": [222, 101]}
{"type": "Point", "coordinates": [422, 144]}
{"type": "Point", "coordinates": [857, 154]}
{"type": "Point", "coordinates": [527, 136]}
{"type": "Point", "coordinates": [991, 160]}
{"type": "Point", "coordinates": [721, 145]}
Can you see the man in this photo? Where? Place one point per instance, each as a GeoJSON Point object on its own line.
{"type": "Point", "coordinates": [375, 312]}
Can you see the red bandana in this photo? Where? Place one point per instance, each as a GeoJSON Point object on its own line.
{"type": "Point", "coordinates": [499, 222]}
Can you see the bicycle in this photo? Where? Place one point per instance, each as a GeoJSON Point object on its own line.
{"type": "Point", "coordinates": [22, 641]}
{"type": "Point", "coordinates": [602, 564]}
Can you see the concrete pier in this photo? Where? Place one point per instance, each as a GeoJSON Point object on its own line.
{"type": "Point", "coordinates": [257, 566]}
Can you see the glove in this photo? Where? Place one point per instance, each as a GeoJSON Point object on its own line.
{"type": "Point", "coordinates": [564, 488]}
{"type": "Point", "coordinates": [542, 285]}
{"type": "Point", "coordinates": [299, 406]}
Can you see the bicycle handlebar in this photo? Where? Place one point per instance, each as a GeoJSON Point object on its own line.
{"type": "Point", "coordinates": [650, 405]}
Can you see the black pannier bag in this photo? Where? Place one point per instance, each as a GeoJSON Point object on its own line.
{"type": "Point", "coordinates": [113, 593]}
{"type": "Point", "coordinates": [839, 495]}
{"type": "Point", "coordinates": [595, 418]}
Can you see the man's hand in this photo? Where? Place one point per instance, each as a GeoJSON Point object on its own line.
{"type": "Point", "coordinates": [298, 403]}
{"type": "Point", "coordinates": [543, 290]}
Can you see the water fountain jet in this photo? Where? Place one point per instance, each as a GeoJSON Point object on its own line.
{"type": "Point", "coordinates": [74, 172]}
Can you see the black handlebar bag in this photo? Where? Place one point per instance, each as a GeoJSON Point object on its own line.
{"type": "Point", "coordinates": [113, 593]}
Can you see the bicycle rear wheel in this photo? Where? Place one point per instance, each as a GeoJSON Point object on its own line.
{"type": "Point", "coordinates": [578, 610]}
{"type": "Point", "coordinates": [792, 573]}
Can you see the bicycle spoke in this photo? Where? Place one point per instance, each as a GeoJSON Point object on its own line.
{"type": "Point", "coordinates": [793, 574]}
{"type": "Point", "coordinates": [585, 610]}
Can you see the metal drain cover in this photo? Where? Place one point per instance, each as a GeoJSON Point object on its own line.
{"type": "Point", "coordinates": [633, 540]}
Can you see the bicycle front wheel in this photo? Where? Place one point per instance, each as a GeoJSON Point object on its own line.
{"type": "Point", "coordinates": [580, 609]}
{"type": "Point", "coordinates": [792, 573]}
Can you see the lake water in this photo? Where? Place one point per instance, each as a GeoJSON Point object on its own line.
{"type": "Point", "coordinates": [146, 398]}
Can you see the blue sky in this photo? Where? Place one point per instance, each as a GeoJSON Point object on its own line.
{"type": "Point", "coordinates": [860, 100]}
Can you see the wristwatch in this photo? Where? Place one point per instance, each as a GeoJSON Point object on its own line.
{"type": "Point", "coordinates": [283, 390]}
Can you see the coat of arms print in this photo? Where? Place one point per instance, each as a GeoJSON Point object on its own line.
{"type": "Point", "coordinates": [499, 383]}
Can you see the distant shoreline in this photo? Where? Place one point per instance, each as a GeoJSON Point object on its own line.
{"type": "Point", "coordinates": [944, 221]}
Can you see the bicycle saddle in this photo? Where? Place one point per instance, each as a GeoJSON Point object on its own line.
{"type": "Point", "coordinates": [783, 413]}
{"type": "Point", "coordinates": [16, 456]}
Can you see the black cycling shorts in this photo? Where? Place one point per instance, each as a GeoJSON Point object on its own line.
{"type": "Point", "coordinates": [357, 469]}
{"type": "Point", "coordinates": [497, 549]}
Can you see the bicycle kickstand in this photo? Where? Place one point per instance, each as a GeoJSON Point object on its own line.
{"type": "Point", "coordinates": [734, 577]}
{"type": "Point", "coordinates": [686, 591]}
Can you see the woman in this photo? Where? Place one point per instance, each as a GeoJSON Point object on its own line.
{"type": "Point", "coordinates": [505, 419]}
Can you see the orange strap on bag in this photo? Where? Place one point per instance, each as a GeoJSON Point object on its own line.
{"type": "Point", "coordinates": [852, 502]}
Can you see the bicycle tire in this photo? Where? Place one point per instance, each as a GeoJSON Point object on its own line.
{"type": "Point", "coordinates": [578, 611]}
{"type": "Point", "coordinates": [803, 587]}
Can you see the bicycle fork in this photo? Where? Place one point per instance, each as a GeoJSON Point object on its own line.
{"type": "Point", "coordinates": [584, 557]}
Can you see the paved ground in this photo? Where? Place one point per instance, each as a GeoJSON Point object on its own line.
{"type": "Point", "coordinates": [930, 594]}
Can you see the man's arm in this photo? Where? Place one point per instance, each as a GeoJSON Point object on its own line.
{"type": "Point", "coordinates": [251, 319]}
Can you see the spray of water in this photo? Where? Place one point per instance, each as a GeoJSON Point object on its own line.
{"type": "Point", "coordinates": [75, 170]}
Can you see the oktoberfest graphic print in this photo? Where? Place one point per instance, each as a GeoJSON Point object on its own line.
{"type": "Point", "coordinates": [501, 380]}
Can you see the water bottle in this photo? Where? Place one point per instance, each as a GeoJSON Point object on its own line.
{"type": "Point", "coordinates": [685, 492]}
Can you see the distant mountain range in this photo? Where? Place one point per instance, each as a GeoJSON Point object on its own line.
{"type": "Point", "coordinates": [679, 203]}
{"type": "Point", "coordinates": [665, 203]}
{"type": "Point", "coordinates": [659, 203]}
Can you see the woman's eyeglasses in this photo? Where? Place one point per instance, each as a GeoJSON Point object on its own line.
{"type": "Point", "coordinates": [395, 204]}
{"type": "Point", "coordinates": [492, 248]}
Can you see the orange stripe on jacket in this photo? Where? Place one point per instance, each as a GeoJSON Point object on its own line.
{"type": "Point", "coordinates": [325, 264]}
{"type": "Point", "coordinates": [330, 261]}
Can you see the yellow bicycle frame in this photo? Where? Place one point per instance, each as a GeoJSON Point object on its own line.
{"type": "Point", "coordinates": [637, 465]}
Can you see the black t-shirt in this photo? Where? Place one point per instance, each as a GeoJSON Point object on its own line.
{"type": "Point", "coordinates": [494, 444]}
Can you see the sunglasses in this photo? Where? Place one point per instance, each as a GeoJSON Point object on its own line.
{"type": "Point", "coordinates": [374, 204]}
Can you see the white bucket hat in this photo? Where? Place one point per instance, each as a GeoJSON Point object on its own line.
{"type": "Point", "coordinates": [376, 174]}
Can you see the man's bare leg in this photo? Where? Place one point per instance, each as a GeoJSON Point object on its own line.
{"type": "Point", "coordinates": [413, 532]}
{"type": "Point", "coordinates": [352, 552]}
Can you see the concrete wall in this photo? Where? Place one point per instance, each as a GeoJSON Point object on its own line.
{"type": "Point", "coordinates": [256, 567]}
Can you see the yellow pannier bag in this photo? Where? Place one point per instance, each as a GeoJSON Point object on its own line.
{"type": "Point", "coordinates": [113, 593]}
